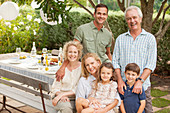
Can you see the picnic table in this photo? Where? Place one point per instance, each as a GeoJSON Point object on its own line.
{"type": "Point", "coordinates": [22, 80]}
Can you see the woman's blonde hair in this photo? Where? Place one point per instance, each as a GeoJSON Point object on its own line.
{"type": "Point", "coordinates": [72, 43]}
{"type": "Point", "coordinates": [84, 71]}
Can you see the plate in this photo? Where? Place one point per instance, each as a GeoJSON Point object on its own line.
{"type": "Point", "coordinates": [32, 67]}
{"type": "Point", "coordinates": [50, 72]}
{"type": "Point", "coordinates": [15, 62]}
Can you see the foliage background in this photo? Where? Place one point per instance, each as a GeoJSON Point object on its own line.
{"type": "Point", "coordinates": [19, 32]}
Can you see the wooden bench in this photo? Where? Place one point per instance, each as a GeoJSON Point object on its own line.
{"type": "Point", "coordinates": [27, 90]}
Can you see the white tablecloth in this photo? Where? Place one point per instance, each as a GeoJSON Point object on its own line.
{"type": "Point", "coordinates": [23, 67]}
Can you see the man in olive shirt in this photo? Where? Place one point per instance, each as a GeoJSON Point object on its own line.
{"type": "Point", "coordinates": [94, 38]}
{"type": "Point", "coordinates": [94, 41]}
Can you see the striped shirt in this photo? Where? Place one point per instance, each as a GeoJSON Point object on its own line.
{"type": "Point", "coordinates": [142, 51]}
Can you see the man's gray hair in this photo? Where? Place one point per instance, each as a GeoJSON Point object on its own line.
{"type": "Point", "coordinates": [136, 8]}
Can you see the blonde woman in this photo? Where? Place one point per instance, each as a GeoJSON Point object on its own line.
{"type": "Point", "coordinates": [90, 65]}
{"type": "Point", "coordinates": [61, 91]}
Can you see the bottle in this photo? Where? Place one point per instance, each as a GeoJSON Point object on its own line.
{"type": "Point", "coordinates": [33, 50]}
{"type": "Point", "coordinates": [61, 55]}
{"type": "Point", "coordinates": [42, 58]}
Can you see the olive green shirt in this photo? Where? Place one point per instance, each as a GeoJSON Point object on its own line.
{"type": "Point", "coordinates": [94, 41]}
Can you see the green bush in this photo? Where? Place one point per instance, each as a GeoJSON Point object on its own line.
{"type": "Point", "coordinates": [56, 35]}
{"type": "Point", "coordinates": [20, 32]}
{"type": "Point", "coordinates": [115, 21]}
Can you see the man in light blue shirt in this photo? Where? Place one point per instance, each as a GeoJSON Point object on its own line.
{"type": "Point", "coordinates": [135, 46]}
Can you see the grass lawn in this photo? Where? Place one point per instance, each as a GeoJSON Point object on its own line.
{"type": "Point", "coordinates": [158, 93]}
{"type": "Point", "coordinates": [163, 111]}
{"type": "Point", "coordinates": [160, 102]}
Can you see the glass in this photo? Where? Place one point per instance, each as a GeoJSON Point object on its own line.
{"type": "Point", "coordinates": [18, 51]}
{"type": "Point", "coordinates": [49, 58]}
{"type": "Point", "coordinates": [49, 53]}
{"type": "Point", "coordinates": [44, 51]}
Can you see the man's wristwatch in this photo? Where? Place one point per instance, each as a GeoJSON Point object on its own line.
{"type": "Point", "coordinates": [140, 80]}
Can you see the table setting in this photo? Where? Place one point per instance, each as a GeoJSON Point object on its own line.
{"type": "Point", "coordinates": [32, 65]}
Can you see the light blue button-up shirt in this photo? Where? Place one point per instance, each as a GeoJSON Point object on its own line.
{"type": "Point", "coordinates": [142, 51]}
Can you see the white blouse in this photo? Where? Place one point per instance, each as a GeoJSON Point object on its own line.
{"type": "Point", "coordinates": [105, 94]}
{"type": "Point", "coordinates": [69, 81]}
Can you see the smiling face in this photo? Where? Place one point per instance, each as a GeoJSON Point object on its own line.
{"type": "Point", "coordinates": [100, 15]}
{"type": "Point", "coordinates": [92, 65]}
{"type": "Point", "coordinates": [131, 77]}
{"type": "Point", "coordinates": [106, 74]}
{"type": "Point", "coordinates": [133, 20]}
{"type": "Point", "coordinates": [72, 53]}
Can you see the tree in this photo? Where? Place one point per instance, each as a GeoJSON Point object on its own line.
{"type": "Point", "coordinates": [83, 2]}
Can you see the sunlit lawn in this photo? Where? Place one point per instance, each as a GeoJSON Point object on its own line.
{"type": "Point", "coordinates": [164, 111]}
{"type": "Point", "coordinates": [158, 93]}
{"type": "Point", "coordinates": [160, 102]}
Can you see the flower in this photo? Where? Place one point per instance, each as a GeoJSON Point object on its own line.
{"type": "Point", "coordinates": [29, 17]}
{"type": "Point", "coordinates": [37, 20]}
{"type": "Point", "coordinates": [8, 24]}
{"type": "Point", "coordinates": [15, 28]}
{"type": "Point", "coordinates": [27, 28]}
{"type": "Point", "coordinates": [21, 23]}
{"type": "Point", "coordinates": [34, 32]}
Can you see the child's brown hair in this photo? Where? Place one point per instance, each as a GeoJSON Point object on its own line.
{"type": "Point", "coordinates": [133, 67]}
{"type": "Point", "coordinates": [109, 66]}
